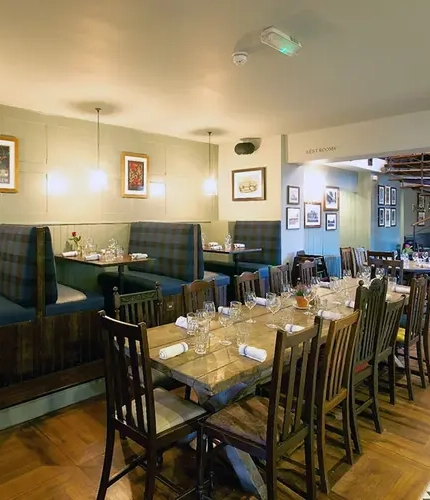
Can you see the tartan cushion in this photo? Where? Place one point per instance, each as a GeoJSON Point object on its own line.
{"type": "Point", "coordinates": [18, 265]}
{"type": "Point", "coordinates": [260, 234]}
{"type": "Point", "coordinates": [171, 244]}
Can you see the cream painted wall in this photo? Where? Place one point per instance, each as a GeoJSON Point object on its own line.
{"type": "Point", "coordinates": [56, 158]}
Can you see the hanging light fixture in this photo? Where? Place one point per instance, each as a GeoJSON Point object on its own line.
{"type": "Point", "coordinates": [210, 186]}
{"type": "Point", "coordinates": [98, 179]}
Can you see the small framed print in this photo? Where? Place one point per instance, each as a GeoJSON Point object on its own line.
{"type": "Point", "coordinates": [421, 217]}
{"type": "Point", "coordinates": [331, 198]}
{"type": "Point", "coordinates": [249, 184]}
{"type": "Point", "coordinates": [421, 201]}
{"type": "Point", "coordinates": [8, 164]}
{"type": "Point", "coordinates": [330, 222]}
{"type": "Point", "coordinates": [393, 217]}
{"type": "Point", "coordinates": [134, 175]}
{"type": "Point", "coordinates": [312, 214]}
{"type": "Point", "coordinates": [387, 217]}
{"type": "Point", "coordinates": [393, 197]}
{"type": "Point", "coordinates": [293, 218]}
{"type": "Point", "coordinates": [381, 216]}
{"type": "Point", "coordinates": [381, 195]}
{"type": "Point", "coordinates": [387, 195]}
{"type": "Point", "coordinates": [293, 195]}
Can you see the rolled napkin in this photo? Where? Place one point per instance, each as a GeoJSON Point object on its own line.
{"type": "Point", "coordinates": [93, 256]}
{"type": "Point", "coordinates": [293, 328]}
{"type": "Point", "coordinates": [138, 255]}
{"type": "Point", "coordinates": [253, 353]}
{"type": "Point", "coordinates": [173, 350]}
{"type": "Point", "coordinates": [239, 245]}
{"type": "Point", "coordinates": [182, 322]}
{"type": "Point", "coordinates": [350, 303]}
{"type": "Point", "coordinates": [329, 315]}
{"type": "Point", "coordinates": [223, 310]}
{"type": "Point", "coordinates": [324, 284]}
{"type": "Point", "coordinates": [74, 253]}
{"type": "Point", "coordinates": [402, 289]}
{"type": "Point", "coordinates": [260, 301]}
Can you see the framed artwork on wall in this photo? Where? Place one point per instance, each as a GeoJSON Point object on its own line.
{"type": "Point", "coordinates": [393, 197]}
{"type": "Point", "coordinates": [134, 175]}
{"type": "Point", "coordinates": [387, 217]}
{"type": "Point", "coordinates": [293, 195]}
{"type": "Point", "coordinates": [393, 217]}
{"type": "Point", "coordinates": [381, 217]}
{"type": "Point", "coordinates": [331, 198]}
{"type": "Point", "coordinates": [312, 214]}
{"type": "Point", "coordinates": [381, 195]}
{"type": "Point", "coordinates": [421, 201]}
{"type": "Point", "coordinates": [293, 218]}
{"type": "Point", "coordinates": [330, 222]}
{"type": "Point", "coordinates": [387, 195]}
{"type": "Point", "coordinates": [8, 164]}
{"type": "Point", "coordinates": [421, 217]}
{"type": "Point", "coordinates": [249, 184]}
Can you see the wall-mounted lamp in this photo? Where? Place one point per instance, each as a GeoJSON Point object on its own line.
{"type": "Point", "coordinates": [98, 179]}
{"type": "Point", "coordinates": [210, 185]}
{"type": "Point", "coordinates": [56, 184]}
{"type": "Point", "coordinates": [157, 189]}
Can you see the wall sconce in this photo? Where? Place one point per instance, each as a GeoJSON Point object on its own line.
{"type": "Point", "coordinates": [210, 187]}
{"type": "Point", "coordinates": [98, 181]}
{"type": "Point", "coordinates": [157, 189]}
{"type": "Point", "coordinates": [56, 184]}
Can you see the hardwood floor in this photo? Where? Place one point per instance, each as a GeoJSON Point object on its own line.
{"type": "Point", "coordinates": [59, 457]}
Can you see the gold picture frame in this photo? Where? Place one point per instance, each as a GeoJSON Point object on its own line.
{"type": "Point", "coordinates": [9, 164]}
{"type": "Point", "coordinates": [248, 184]}
{"type": "Point", "coordinates": [134, 175]}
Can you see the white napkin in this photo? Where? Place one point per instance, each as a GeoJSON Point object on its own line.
{"type": "Point", "coordinates": [260, 301]}
{"type": "Point", "coordinates": [253, 352]}
{"type": "Point", "coordinates": [173, 350]}
{"type": "Point", "coordinates": [223, 310]}
{"type": "Point", "coordinates": [350, 303]}
{"type": "Point", "coordinates": [402, 289]}
{"type": "Point", "coordinates": [324, 284]}
{"type": "Point", "coordinates": [293, 328]}
{"type": "Point", "coordinates": [329, 315]}
{"type": "Point", "coordinates": [239, 245]}
{"type": "Point", "coordinates": [182, 322]}
{"type": "Point", "coordinates": [70, 254]}
{"type": "Point", "coordinates": [94, 256]}
{"type": "Point", "coordinates": [214, 244]}
{"type": "Point", "coordinates": [138, 255]}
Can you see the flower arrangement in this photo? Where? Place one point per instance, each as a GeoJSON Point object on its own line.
{"type": "Point", "coordinates": [300, 290]}
{"type": "Point", "coordinates": [76, 239]}
{"type": "Point", "coordinates": [407, 249]}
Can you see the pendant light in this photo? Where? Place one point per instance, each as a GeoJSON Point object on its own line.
{"type": "Point", "coordinates": [98, 179]}
{"type": "Point", "coordinates": [210, 187]}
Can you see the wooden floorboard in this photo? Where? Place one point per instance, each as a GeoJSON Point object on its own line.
{"type": "Point", "coordinates": [59, 457]}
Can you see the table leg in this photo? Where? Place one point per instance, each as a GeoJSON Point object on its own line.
{"type": "Point", "coordinates": [120, 278]}
{"type": "Point", "coordinates": [236, 264]}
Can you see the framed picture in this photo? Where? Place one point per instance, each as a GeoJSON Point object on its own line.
{"type": "Point", "coordinates": [331, 198]}
{"type": "Point", "coordinates": [330, 222]}
{"type": "Point", "coordinates": [421, 217]}
{"type": "Point", "coordinates": [387, 217]}
{"type": "Point", "coordinates": [393, 197]}
{"type": "Point", "coordinates": [249, 184]}
{"type": "Point", "coordinates": [134, 175]}
{"type": "Point", "coordinates": [381, 195]}
{"type": "Point", "coordinates": [293, 195]}
{"type": "Point", "coordinates": [421, 201]}
{"type": "Point", "coordinates": [393, 217]}
{"type": "Point", "coordinates": [8, 164]}
{"type": "Point", "coordinates": [381, 216]}
{"type": "Point", "coordinates": [387, 195]}
{"type": "Point", "coordinates": [293, 218]}
{"type": "Point", "coordinates": [312, 214]}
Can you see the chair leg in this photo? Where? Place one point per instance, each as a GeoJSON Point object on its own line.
{"type": "Point", "coordinates": [107, 462]}
{"type": "Point", "coordinates": [151, 473]}
{"type": "Point", "coordinates": [271, 479]}
{"type": "Point", "coordinates": [311, 488]}
{"type": "Point", "coordinates": [322, 458]}
{"type": "Point", "coordinates": [374, 391]}
{"type": "Point", "coordinates": [408, 373]}
{"type": "Point", "coordinates": [354, 423]}
{"type": "Point", "coordinates": [392, 378]}
{"type": "Point", "coordinates": [421, 363]}
{"type": "Point", "coordinates": [346, 423]}
{"type": "Point", "coordinates": [201, 459]}
{"type": "Point", "coordinates": [187, 392]}
{"type": "Point", "coordinates": [427, 352]}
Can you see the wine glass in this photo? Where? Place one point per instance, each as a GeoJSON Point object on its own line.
{"type": "Point", "coordinates": [250, 302]}
{"type": "Point", "coordinates": [273, 303]}
{"type": "Point", "coordinates": [308, 294]}
{"type": "Point", "coordinates": [209, 308]}
{"type": "Point", "coordinates": [225, 321]}
{"type": "Point", "coordinates": [286, 292]}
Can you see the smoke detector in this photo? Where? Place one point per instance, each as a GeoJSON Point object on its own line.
{"type": "Point", "coordinates": [240, 58]}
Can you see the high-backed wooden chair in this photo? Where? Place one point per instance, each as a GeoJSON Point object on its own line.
{"type": "Point", "coordinates": [155, 419]}
{"type": "Point", "coordinates": [360, 256]}
{"type": "Point", "coordinates": [347, 260]}
{"type": "Point", "coordinates": [139, 307]}
{"type": "Point", "coordinates": [307, 270]}
{"type": "Point", "coordinates": [270, 428]}
{"type": "Point", "coordinates": [412, 335]}
{"type": "Point", "coordinates": [426, 332]}
{"type": "Point", "coordinates": [278, 276]}
{"type": "Point", "coordinates": [392, 268]}
{"type": "Point", "coordinates": [247, 282]}
{"type": "Point", "coordinates": [194, 294]}
{"type": "Point", "coordinates": [334, 387]}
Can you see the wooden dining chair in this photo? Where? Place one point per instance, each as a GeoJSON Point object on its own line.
{"type": "Point", "coordinates": [247, 282]}
{"type": "Point", "coordinates": [360, 256]}
{"type": "Point", "coordinates": [271, 428]}
{"type": "Point", "coordinates": [194, 294]}
{"type": "Point", "coordinates": [279, 275]}
{"type": "Point", "coordinates": [347, 260]}
{"type": "Point", "coordinates": [412, 335]}
{"type": "Point", "coordinates": [334, 388]}
{"type": "Point", "coordinates": [140, 306]}
{"type": "Point", "coordinates": [426, 331]}
{"type": "Point", "coordinates": [370, 301]}
{"type": "Point", "coordinates": [307, 270]}
{"type": "Point", "coordinates": [155, 419]}
{"type": "Point", "coordinates": [392, 268]}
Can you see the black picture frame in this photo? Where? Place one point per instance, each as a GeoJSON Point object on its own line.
{"type": "Point", "coordinates": [381, 195]}
{"type": "Point", "coordinates": [421, 201]}
{"type": "Point", "coordinates": [294, 218]}
{"type": "Point", "coordinates": [293, 195]}
{"type": "Point", "coordinates": [381, 216]}
{"type": "Point", "coordinates": [393, 197]}
{"type": "Point", "coordinates": [331, 221]}
{"type": "Point", "coordinates": [387, 195]}
{"type": "Point", "coordinates": [421, 215]}
{"type": "Point", "coordinates": [393, 217]}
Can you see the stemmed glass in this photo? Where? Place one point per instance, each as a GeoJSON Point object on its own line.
{"type": "Point", "coordinates": [308, 294]}
{"type": "Point", "coordinates": [425, 256]}
{"type": "Point", "coordinates": [336, 287]}
{"type": "Point", "coordinates": [250, 302]}
{"type": "Point", "coordinates": [209, 308]}
{"type": "Point", "coordinates": [273, 303]}
{"type": "Point", "coordinates": [225, 321]}
{"type": "Point", "coordinates": [286, 292]}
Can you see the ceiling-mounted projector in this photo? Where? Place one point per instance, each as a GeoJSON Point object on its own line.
{"type": "Point", "coordinates": [282, 42]}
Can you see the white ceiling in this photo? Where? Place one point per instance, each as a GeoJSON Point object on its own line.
{"type": "Point", "coordinates": [165, 65]}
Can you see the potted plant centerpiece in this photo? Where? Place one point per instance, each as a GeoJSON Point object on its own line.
{"type": "Point", "coordinates": [301, 293]}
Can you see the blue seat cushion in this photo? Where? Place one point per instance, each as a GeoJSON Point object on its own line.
{"type": "Point", "coordinates": [220, 279]}
{"type": "Point", "coordinates": [136, 281]}
{"type": "Point", "coordinates": [13, 313]}
{"type": "Point", "coordinates": [403, 321]}
{"type": "Point", "coordinates": [71, 300]}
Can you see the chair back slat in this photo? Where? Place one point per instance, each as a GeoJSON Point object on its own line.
{"type": "Point", "coordinates": [347, 260]}
{"type": "Point", "coordinates": [360, 256]}
{"type": "Point", "coordinates": [415, 310]}
{"type": "Point", "coordinates": [139, 307]}
{"type": "Point", "coordinates": [391, 316]}
{"type": "Point", "coordinates": [392, 268]}
{"type": "Point", "coordinates": [279, 275]}
{"type": "Point", "coordinates": [307, 270]}
{"type": "Point", "coordinates": [247, 282]}
{"type": "Point", "coordinates": [196, 293]}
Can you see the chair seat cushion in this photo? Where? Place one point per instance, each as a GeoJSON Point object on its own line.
{"type": "Point", "coordinates": [403, 321]}
{"type": "Point", "coordinates": [401, 332]}
{"type": "Point", "coordinates": [170, 410]}
{"type": "Point", "coordinates": [71, 300]}
{"type": "Point", "coordinates": [136, 281]}
{"type": "Point", "coordinates": [13, 313]}
{"type": "Point", "coordinates": [220, 279]}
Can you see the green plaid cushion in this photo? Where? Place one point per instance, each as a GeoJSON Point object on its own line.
{"type": "Point", "coordinates": [260, 234]}
{"type": "Point", "coordinates": [171, 244]}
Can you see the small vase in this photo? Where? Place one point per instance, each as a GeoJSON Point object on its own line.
{"type": "Point", "coordinates": [301, 301]}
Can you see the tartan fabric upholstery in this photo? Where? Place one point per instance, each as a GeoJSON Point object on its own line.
{"type": "Point", "coordinates": [260, 234]}
{"type": "Point", "coordinates": [18, 265]}
{"type": "Point", "coordinates": [171, 244]}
